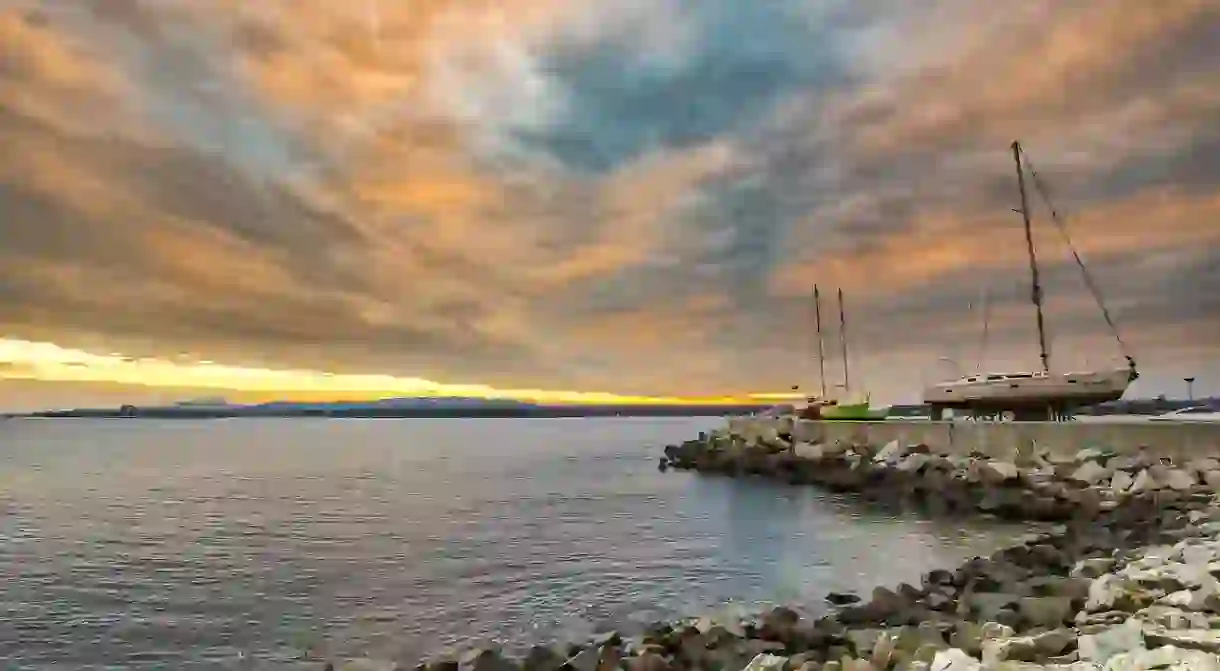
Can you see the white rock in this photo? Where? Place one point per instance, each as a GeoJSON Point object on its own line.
{"type": "Point", "coordinates": [1207, 640]}
{"type": "Point", "coordinates": [892, 451]}
{"type": "Point", "coordinates": [1126, 637]}
{"type": "Point", "coordinates": [766, 662]}
{"type": "Point", "coordinates": [1180, 598]}
{"type": "Point", "coordinates": [1173, 618]}
{"type": "Point", "coordinates": [1047, 644]}
{"type": "Point", "coordinates": [913, 462]}
{"type": "Point", "coordinates": [1104, 591]}
{"type": "Point", "coordinates": [1207, 595]}
{"type": "Point", "coordinates": [1121, 481]}
{"type": "Point", "coordinates": [1144, 483]}
{"type": "Point", "coordinates": [1091, 472]}
{"type": "Point", "coordinates": [835, 449]}
{"type": "Point", "coordinates": [995, 651]}
{"type": "Point", "coordinates": [1155, 556]}
{"type": "Point", "coordinates": [883, 650]}
{"type": "Point", "coordinates": [1212, 478]}
{"type": "Point", "coordinates": [954, 659]}
{"type": "Point", "coordinates": [785, 424]}
{"type": "Point", "coordinates": [992, 630]}
{"type": "Point", "coordinates": [1178, 479]}
{"type": "Point", "coordinates": [1089, 454]}
{"type": "Point", "coordinates": [1199, 554]}
{"type": "Point", "coordinates": [766, 435]}
{"type": "Point", "coordinates": [1003, 470]}
{"type": "Point", "coordinates": [1203, 465]}
{"type": "Point", "coordinates": [1092, 567]}
{"type": "Point", "coordinates": [809, 451]}
{"type": "Point", "coordinates": [1166, 657]}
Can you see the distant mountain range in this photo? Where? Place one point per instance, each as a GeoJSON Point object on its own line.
{"type": "Point", "coordinates": [401, 407]}
{"type": "Point", "coordinates": [408, 402]}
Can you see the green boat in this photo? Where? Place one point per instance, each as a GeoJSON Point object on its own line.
{"type": "Point", "coordinates": [862, 410]}
{"type": "Point", "coordinates": [855, 407]}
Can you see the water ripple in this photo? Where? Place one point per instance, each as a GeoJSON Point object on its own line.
{"type": "Point", "coordinates": [256, 544]}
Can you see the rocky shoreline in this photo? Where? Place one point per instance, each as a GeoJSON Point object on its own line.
{"type": "Point", "coordinates": [1031, 486]}
{"type": "Point", "coordinates": [1126, 581]}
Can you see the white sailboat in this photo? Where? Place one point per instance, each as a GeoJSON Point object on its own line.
{"type": "Point", "coordinates": [1035, 395]}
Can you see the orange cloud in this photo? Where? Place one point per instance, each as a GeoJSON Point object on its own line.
{"type": "Point", "coordinates": [1047, 68]}
{"type": "Point", "coordinates": [948, 244]}
{"type": "Point", "coordinates": [51, 77]}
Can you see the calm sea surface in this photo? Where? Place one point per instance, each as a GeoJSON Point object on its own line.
{"type": "Point", "coordinates": [242, 544]}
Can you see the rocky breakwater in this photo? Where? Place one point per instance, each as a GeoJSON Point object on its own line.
{"type": "Point", "coordinates": [1114, 593]}
{"type": "Point", "coordinates": [1032, 485]}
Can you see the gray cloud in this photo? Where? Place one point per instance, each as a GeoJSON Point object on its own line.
{"type": "Point", "coordinates": [745, 57]}
{"type": "Point", "coordinates": [132, 294]}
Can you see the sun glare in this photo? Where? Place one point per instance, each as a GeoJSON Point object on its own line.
{"type": "Point", "coordinates": [42, 361]}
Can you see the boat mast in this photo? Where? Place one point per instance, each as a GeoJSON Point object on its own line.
{"type": "Point", "coordinates": [843, 343]}
{"type": "Point", "coordinates": [817, 320]}
{"type": "Point", "coordinates": [986, 328]}
{"type": "Point", "coordinates": [1036, 285]}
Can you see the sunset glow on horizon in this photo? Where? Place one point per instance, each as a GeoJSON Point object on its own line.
{"type": "Point", "coordinates": [48, 362]}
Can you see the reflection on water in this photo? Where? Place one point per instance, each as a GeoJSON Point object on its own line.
{"type": "Point", "coordinates": [199, 544]}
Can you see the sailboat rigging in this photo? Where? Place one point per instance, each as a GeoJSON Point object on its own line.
{"type": "Point", "coordinates": [1036, 395]}
{"type": "Point", "coordinates": [843, 344]}
{"type": "Point", "coordinates": [817, 320]}
{"type": "Point", "coordinates": [986, 307]}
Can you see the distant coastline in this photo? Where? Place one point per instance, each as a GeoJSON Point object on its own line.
{"type": "Point", "coordinates": [396, 408]}
{"type": "Point", "coordinates": [491, 408]}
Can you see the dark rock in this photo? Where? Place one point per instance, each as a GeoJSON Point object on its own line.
{"type": "Point", "coordinates": [908, 593]}
{"type": "Point", "coordinates": [487, 659]}
{"type": "Point", "coordinates": [779, 624]}
{"type": "Point", "coordinates": [840, 599]}
{"type": "Point", "coordinates": [938, 577]}
{"type": "Point", "coordinates": [1045, 611]}
{"type": "Point", "coordinates": [648, 661]}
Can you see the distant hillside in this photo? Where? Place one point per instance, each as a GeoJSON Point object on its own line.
{"type": "Point", "coordinates": [406, 407]}
{"type": "Point", "coordinates": [396, 403]}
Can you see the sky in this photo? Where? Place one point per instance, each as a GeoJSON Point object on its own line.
{"type": "Point", "coordinates": [631, 197]}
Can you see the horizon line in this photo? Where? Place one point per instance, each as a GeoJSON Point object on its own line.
{"type": "Point", "coordinates": [43, 361]}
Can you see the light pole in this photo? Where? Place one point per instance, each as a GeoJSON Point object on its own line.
{"type": "Point", "coordinates": [1190, 388]}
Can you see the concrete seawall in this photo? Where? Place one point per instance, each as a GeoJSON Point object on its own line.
{"type": "Point", "coordinates": [1176, 440]}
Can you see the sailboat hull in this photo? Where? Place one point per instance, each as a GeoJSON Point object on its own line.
{"type": "Point", "coordinates": [1016, 391]}
{"type": "Point", "coordinates": [1030, 395]}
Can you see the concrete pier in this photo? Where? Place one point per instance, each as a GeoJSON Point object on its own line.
{"type": "Point", "coordinates": [1176, 440]}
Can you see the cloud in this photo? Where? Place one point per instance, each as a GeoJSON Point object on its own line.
{"type": "Point", "coordinates": [629, 196]}
{"type": "Point", "coordinates": [623, 101]}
